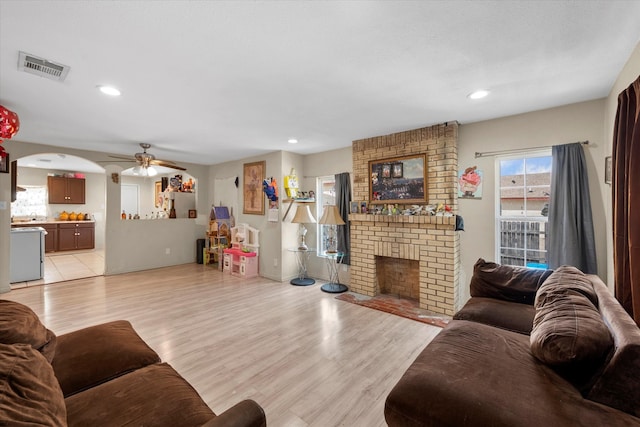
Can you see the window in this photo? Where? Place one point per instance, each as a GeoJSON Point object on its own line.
{"type": "Point", "coordinates": [325, 195]}
{"type": "Point", "coordinates": [524, 186]}
{"type": "Point", "coordinates": [32, 202]}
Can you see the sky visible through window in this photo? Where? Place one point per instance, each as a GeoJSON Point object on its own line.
{"type": "Point", "coordinates": [517, 166]}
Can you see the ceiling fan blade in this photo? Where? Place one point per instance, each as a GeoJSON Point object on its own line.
{"type": "Point", "coordinates": [123, 158]}
{"type": "Point", "coordinates": [167, 164]}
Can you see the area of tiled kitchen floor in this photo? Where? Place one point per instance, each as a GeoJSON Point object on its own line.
{"type": "Point", "coordinates": [62, 266]}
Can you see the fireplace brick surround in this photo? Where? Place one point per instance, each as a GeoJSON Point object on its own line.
{"type": "Point", "coordinates": [430, 241]}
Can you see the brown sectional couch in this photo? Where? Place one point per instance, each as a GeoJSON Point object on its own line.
{"type": "Point", "coordinates": [104, 375]}
{"type": "Point", "coordinates": [526, 350]}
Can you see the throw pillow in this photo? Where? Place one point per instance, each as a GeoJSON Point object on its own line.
{"type": "Point", "coordinates": [30, 391]}
{"type": "Point", "coordinates": [565, 280]}
{"type": "Point", "coordinates": [20, 325]}
{"type": "Point", "coordinates": [568, 331]}
{"type": "Point", "coordinates": [504, 282]}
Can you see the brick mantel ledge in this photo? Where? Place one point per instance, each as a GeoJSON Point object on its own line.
{"type": "Point", "coordinates": [410, 219]}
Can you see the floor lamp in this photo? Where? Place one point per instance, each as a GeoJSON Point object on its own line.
{"type": "Point", "coordinates": [331, 217]}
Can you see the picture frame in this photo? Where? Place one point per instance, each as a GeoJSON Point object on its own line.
{"type": "Point", "coordinates": [157, 195]}
{"type": "Point", "coordinates": [252, 176]}
{"type": "Point", "coordinates": [396, 170]}
{"type": "Point", "coordinates": [608, 170]}
{"type": "Point", "coordinates": [193, 213]}
{"type": "Point", "coordinates": [408, 186]}
{"type": "Point", "coordinates": [354, 207]}
{"type": "Point", "coordinates": [4, 164]}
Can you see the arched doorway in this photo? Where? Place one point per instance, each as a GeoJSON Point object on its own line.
{"type": "Point", "coordinates": [74, 243]}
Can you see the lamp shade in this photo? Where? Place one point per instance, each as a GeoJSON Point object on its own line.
{"type": "Point", "coordinates": [303, 215]}
{"type": "Point", "coordinates": [331, 216]}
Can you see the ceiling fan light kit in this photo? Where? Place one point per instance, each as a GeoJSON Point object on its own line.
{"type": "Point", "coordinates": [145, 161]}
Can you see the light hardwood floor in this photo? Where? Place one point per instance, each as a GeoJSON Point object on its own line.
{"type": "Point", "coordinates": [307, 358]}
{"type": "Point", "coordinates": [71, 265]}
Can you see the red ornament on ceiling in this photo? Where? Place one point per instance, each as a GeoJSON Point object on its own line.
{"type": "Point", "coordinates": [9, 126]}
{"type": "Point", "coordinates": [9, 123]}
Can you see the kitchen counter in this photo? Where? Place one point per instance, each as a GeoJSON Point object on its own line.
{"type": "Point", "coordinates": [46, 221]}
{"type": "Point", "coordinates": [63, 235]}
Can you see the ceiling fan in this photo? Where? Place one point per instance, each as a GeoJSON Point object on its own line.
{"type": "Point", "coordinates": [146, 161]}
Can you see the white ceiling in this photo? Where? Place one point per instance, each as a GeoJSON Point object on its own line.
{"type": "Point", "coordinates": [207, 82]}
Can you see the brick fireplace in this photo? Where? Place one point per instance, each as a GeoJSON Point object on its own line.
{"type": "Point", "coordinates": [389, 253]}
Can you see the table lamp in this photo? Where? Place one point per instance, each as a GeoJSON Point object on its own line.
{"type": "Point", "coordinates": [303, 216]}
{"type": "Point", "coordinates": [331, 217]}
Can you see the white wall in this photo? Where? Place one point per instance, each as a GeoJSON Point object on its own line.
{"type": "Point", "coordinates": [322, 164]}
{"type": "Point", "coordinates": [270, 232]}
{"type": "Point", "coordinates": [562, 125]}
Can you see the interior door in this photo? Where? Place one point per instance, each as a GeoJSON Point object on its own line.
{"type": "Point", "coordinates": [130, 198]}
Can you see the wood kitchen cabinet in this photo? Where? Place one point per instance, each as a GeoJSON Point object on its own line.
{"type": "Point", "coordinates": [76, 235]}
{"type": "Point", "coordinates": [51, 238]}
{"type": "Point", "coordinates": [66, 190]}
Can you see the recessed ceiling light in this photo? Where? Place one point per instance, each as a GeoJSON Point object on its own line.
{"type": "Point", "coordinates": [109, 90]}
{"type": "Point", "coordinates": [292, 141]}
{"type": "Point", "coordinates": [481, 93]}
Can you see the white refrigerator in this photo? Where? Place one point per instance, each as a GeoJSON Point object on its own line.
{"type": "Point", "coordinates": [27, 254]}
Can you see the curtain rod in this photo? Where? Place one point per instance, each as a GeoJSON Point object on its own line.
{"type": "Point", "coordinates": [516, 150]}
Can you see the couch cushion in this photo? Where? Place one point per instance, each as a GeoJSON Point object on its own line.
{"type": "Point", "coordinates": [93, 355]}
{"type": "Point", "coordinates": [153, 396]}
{"type": "Point", "coordinates": [30, 394]}
{"type": "Point", "coordinates": [516, 284]}
{"type": "Point", "coordinates": [501, 314]}
{"type": "Point", "coordinates": [20, 325]}
{"type": "Point", "coordinates": [568, 331]}
{"type": "Point", "coordinates": [472, 374]}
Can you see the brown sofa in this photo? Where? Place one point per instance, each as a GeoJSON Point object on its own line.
{"type": "Point", "coordinates": [104, 375]}
{"type": "Point", "coordinates": [530, 348]}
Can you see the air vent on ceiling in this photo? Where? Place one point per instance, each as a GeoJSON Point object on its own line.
{"type": "Point", "coordinates": [41, 67]}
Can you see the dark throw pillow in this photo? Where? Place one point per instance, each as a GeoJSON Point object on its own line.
{"type": "Point", "coordinates": [30, 391]}
{"type": "Point", "coordinates": [20, 325]}
{"type": "Point", "coordinates": [515, 284]}
{"type": "Point", "coordinates": [568, 331]}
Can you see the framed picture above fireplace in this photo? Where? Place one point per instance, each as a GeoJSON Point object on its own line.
{"type": "Point", "coordinates": [398, 180]}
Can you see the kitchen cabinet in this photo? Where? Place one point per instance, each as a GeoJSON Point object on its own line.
{"type": "Point", "coordinates": [76, 235]}
{"type": "Point", "coordinates": [64, 190]}
{"type": "Point", "coordinates": [51, 238]}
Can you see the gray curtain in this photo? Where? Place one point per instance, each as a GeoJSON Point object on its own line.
{"type": "Point", "coordinates": [571, 237]}
{"type": "Point", "coordinates": [343, 197]}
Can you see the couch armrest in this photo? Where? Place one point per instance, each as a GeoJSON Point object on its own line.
{"type": "Point", "coordinates": [243, 414]}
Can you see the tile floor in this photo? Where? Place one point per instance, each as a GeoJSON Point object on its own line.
{"type": "Point", "coordinates": [62, 266]}
{"type": "Point", "coordinates": [399, 306]}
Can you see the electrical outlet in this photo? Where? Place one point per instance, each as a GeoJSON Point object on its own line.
{"type": "Point", "coordinates": [167, 251]}
{"type": "Point", "coordinates": [275, 262]}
